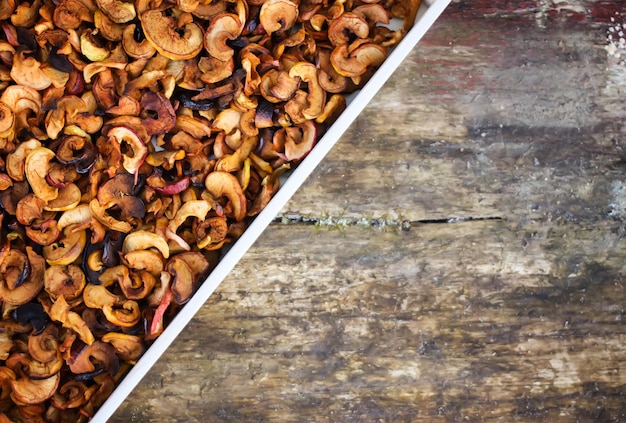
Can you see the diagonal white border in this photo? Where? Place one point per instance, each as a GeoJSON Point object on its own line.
{"type": "Point", "coordinates": [428, 15]}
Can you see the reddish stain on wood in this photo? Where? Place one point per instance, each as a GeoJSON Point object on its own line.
{"type": "Point", "coordinates": [487, 7]}
{"type": "Point", "coordinates": [603, 11]}
{"type": "Point", "coordinates": [518, 12]}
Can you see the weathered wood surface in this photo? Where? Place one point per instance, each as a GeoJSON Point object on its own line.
{"type": "Point", "coordinates": [459, 256]}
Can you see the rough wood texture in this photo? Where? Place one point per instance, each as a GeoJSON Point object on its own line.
{"type": "Point", "coordinates": [458, 257]}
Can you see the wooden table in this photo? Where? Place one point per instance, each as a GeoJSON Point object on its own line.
{"type": "Point", "coordinates": [459, 256]}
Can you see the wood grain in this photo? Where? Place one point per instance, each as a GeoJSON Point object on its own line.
{"type": "Point", "coordinates": [465, 320]}
{"type": "Point", "coordinates": [504, 119]}
{"type": "Point", "coordinates": [459, 256]}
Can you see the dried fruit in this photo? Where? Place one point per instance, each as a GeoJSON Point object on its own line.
{"type": "Point", "coordinates": [172, 41]}
{"type": "Point", "coordinates": [136, 140]}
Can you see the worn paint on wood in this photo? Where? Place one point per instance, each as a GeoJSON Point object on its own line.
{"type": "Point", "coordinates": [459, 256]}
{"type": "Point", "coordinates": [450, 320]}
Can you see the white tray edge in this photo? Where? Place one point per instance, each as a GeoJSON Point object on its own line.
{"type": "Point", "coordinates": [431, 11]}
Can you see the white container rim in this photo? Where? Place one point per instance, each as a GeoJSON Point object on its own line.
{"type": "Point", "coordinates": [430, 10]}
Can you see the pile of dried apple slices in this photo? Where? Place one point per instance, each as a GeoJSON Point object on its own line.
{"type": "Point", "coordinates": [136, 141]}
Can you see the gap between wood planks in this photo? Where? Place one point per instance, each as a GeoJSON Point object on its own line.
{"type": "Point", "coordinates": [377, 223]}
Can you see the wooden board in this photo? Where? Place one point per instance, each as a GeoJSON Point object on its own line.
{"type": "Point", "coordinates": [459, 256]}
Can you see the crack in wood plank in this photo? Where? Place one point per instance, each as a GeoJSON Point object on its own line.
{"type": "Point", "coordinates": [376, 223]}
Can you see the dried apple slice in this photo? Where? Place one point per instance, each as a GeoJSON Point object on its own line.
{"type": "Point", "coordinates": [67, 250]}
{"type": "Point", "coordinates": [7, 119]}
{"type": "Point", "coordinates": [43, 232]}
{"type": "Point", "coordinates": [210, 232]}
{"type": "Point", "coordinates": [70, 14]}
{"type": "Point", "coordinates": [278, 15]}
{"type": "Point", "coordinates": [36, 169]}
{"type": "Point", "coordinates": [182, 279]}
{"type": "Point", "coordinates": [335, 105]}
{"type": "Point", "coordinates": [100, 213]}
{"type": "Point", "coordinates": [223, 27]}
{"type": "Point", "coordinates": [223, 184]}
{"type": "Point", "coordinates": [346, 26]}
{"type": "Point", "coordinates": [127, 347]}
{"type": "Point", "coordinates": [90, 48]}
{"type": "Point", "coordinates": [41, 370]}
{"type": "Point", "coordinates": [196, 208]}
{"type": "Point", "coordinates": [227, 120]}
{"type": "Point", "coordinates": [6, 344]}
{"type": "Point", "coordinates": [119, 192]}
{"type": "Point", "coordinates": [26, 15]}
{"type": "Point", "coordinates": [27, 71]}
{"type": "Point", "coordinates": [316, 96]}
{"type": "Point", "coordinates": [29, 208]}
{"type": "Point", "coordinates": [144, 260]}
{"type": "Point", "coordinates": [330, 80]}
{"type": "Point", "coordinates": [79, 215]}
{"type": "Point", "coordinates": [107, 28]}
{"type": "Point", "coordinates": [118, 11]}
{"type": "Point", "coordinates": [55, 119]}
{"type": "Point", "coordinates": [277, 86]}
{"type": "Point", "coordinates": [135, 48]}
{"type": "Point", "coordinates": [175, 187]}
{"type": "Point", "coordinates": [234, 162]}
{"type": "Point", "coordinates": [94, 359]}
{"type": "Point", "coordinates": [137, 149]}
{"type": "Point", "coordinates": [59, 311]}
{"type": "Point", "coordinates": [72, 394]}
{"type": "Point", "coordinates": [22, 276]}
{"type": "Point", "coordinates": [172, 42]}
{"type": "Point", "coordinates": [299, 142]}
{"type": "Point", "coordinates": [125, 315]}
{"type": "Point", "coordinates": [15, 268]}
{"type": "Point", "coordinates": [7, 8]}
{"type": "Point", "coordinates": [68, 281]}
{"type": "Point", "coordinates": [197, 262]}
{"type": "Point", "coordinates": [97, 296]}
{"type": "Point", "coordinates": [30, 391]}
{"type": "Point", "coordinates": [143, 240]}
{"type": "Point", "coordinates": [374, 13]}
{"type": "Point", "coordinates": [7, 376]}
{"type": "Point", "coordinates": [68, 198]}
{"type": "Point", "coordinates": [78, 151]}
{"type": "Point", "coordinates": [354, 62]}
{"type": "Point", "coordinates": [43, 347]}
{"type": "Point", "coordinates": [20, 98]}
{"type": "Point", "coordinates": [138, 285]}
{"type": "Point", "coordinates": [215, 70]}
{"type": "Point", "coordinates": [160, 106]}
